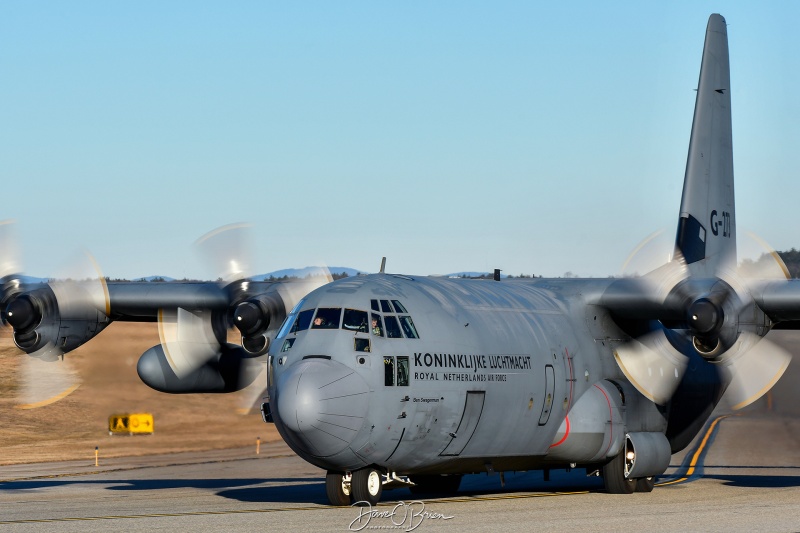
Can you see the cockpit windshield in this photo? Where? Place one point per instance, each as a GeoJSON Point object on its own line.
{"type": "Point", "coordinates": [355, 320]}
{"type": "Point", "coordinates": [303, 321]}
{"type": "Point", "coordinates": [327, 318]}
{"type": "Point", "coordinates": [392, 329]}
{"type": "Point", "coordinates": [385, 320]}
{"type": "Point", "coordinates": [408, 327]}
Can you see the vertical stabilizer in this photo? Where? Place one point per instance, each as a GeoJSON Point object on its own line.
{"type": "Point", "coordinates": [707, 226]}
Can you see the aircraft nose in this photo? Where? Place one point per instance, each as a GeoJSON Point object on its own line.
{"type": "Point", "coordinates": [322, 405]}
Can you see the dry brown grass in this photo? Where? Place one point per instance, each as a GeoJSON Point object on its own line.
{"type": "Point", "coordinates": [71, 428]}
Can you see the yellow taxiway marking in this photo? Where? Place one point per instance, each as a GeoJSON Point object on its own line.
{"type": "Point", "coordinates": [697, 453]}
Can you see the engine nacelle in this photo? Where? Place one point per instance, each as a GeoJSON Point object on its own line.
{"type": "Point", "coordinates": [648, 454]}
{"type": "Point", "coordinates": [50, 324]}
{"type": "Point", "coordinates": [229, 370]}
{"type": "Point", "coordinates": [255, 317]}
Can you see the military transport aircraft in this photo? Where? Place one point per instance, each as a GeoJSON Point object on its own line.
{"type": "Point", "coordinates": [391, 380]}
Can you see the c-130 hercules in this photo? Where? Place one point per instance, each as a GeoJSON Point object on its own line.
{"type": "Point", "coordinates": [390, 380]}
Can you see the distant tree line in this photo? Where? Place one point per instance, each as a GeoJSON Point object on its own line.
{"type": "Point", "coordinates": [161, 279]}
{"type": "Point", "coordinates": [489, 275]}
{"type": "Point", "coordinates": [334, 276]}
{"type": "Point", "coordinates": [790, 258]}
{"type": "Point", "coordinates": [792, 261]}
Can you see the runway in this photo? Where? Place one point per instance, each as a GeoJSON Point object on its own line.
{"type": "Point", "coordinates": [745, 478]}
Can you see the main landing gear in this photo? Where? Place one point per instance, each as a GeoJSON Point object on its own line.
{"type": "Point", "coordinates": [614, 475]}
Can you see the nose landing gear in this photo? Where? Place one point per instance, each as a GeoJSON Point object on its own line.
{"type": "Point", "coordinates": [363, 487]}
{"type": "Point", "coordinates": [366, 486]}
{"type": "Point", "coordinates": [337, 487]}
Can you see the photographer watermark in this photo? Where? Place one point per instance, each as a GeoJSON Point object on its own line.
{"type": "Point", "coordinates": [403, 516]}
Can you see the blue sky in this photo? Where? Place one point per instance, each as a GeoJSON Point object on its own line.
{"type": "Point", "coordinates": [447, 136]}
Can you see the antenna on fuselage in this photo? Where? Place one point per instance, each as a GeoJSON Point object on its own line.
{"type": "Point", "coordinates": [383, 265]}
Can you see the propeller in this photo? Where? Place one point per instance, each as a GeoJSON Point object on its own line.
{"type": "Point", "coordinates": [45, 382]}
{"type": "Point", "coordinates": [673, 318]}
{"type": "Point", "coordinates": [44, 316]}
{"type": "Point", "coordinates": [194, 342]}
{"type": "Point", "coordinates": [192, 337]}
{"type": "Point", "coordinates": [226, 251]}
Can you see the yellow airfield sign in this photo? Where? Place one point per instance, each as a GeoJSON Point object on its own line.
{"type": "Point", "coordinates": [130, 423]}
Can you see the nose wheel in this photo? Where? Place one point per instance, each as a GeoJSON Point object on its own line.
{"type": "Point", "coordinates": [366, 486]}
{"type": "Point", "coordinates": [337, 487]}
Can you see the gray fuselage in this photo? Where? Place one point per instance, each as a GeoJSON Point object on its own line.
{"type": "Point", "coordinates": [438, 375]}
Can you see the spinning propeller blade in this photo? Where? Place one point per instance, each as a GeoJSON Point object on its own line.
{"type": "Point", "coordinates": [753, 372]}
{"type": "Point", "coordinates": [188, 339]}
{"type": "Point", "coordinates": [37, 313]}
{"type": "Point", "coordinates": [226, 251]}
{"type": "Point", "coordinates": [44, 381]}
{"type": "Point", "coordinates": [652, 365]}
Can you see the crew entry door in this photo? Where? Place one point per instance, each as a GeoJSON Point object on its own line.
{"type": "Point", "coordinates": [469, 421]}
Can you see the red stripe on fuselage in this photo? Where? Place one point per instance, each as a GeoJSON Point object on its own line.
{"type": "Point", "coordinates": [566, 434]}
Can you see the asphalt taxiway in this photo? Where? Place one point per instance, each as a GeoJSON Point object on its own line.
{"type": "Point", "coordinates": [746, 477]}
{"type": "Point", "coordinates": [741, 474]}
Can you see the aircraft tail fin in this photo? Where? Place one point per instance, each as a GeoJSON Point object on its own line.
{"type": "Point", "coordinates": [707, 226]}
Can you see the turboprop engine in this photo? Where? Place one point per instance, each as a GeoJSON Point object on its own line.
{"type": "Point", "coordinates": [55, 318]}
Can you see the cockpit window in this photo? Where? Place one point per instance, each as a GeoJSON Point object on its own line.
{"type": "Point", "coordinates": [327, 318]}
{"type": "Point", "coordinates": [361, 345]}
{"type": "Point", "coordinates": [402, 371]}
{"type": "Point", "coordinates": [392, 329]}
{"type": "Point", "coordinates": [397, 325]}
{"type": "Point", "coordinates": [355, 320]}
{"type": "Point", "coordinates": [377, 325]}
{"type": "Point", "coordinates": [388, 371]}
{"type": "Point", "coordinates": [408, 327]}
{"type": "Point", "coordinates": [288, 324]}
{"type": "Point", "coordinates": [401, 367]}
{"type": "Point", "coordinates": [303, 321]}
{"type": "Point", "coordinates": [400, 308]}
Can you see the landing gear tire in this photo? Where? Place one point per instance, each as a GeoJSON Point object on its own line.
{"type": "Point", "coordinates": [435, 484]}
{"type": "Point", "coordinates": [337, 487]}
{"type": "Point", "coordinates": [645, 484]}
{"type": "Point", "coordinates": [366, 486]}
{"type": "Point", "coordinates": [614, 476]}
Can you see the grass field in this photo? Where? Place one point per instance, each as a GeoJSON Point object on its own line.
{"type": "Point", "coordinates": [72, 427]}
